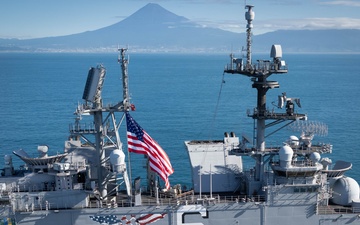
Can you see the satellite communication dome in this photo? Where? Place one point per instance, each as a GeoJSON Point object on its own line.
{"type": "Point", "coordinates": [294, 140]}
{"type": "Point", "coordinates": [315, 157]}
{"type": "Point", "coordinates": [345, 190]}
{"type": "Point", "coordinates": [8, 159]}
{"type": "Point", "coordinates": [42, 150]}
{"type": "Point", "coordinates": [285, 155]}
{"type": "Point", "coordinates": [250, 15]}
{"type": "Point", "coordinates": [117, 157]}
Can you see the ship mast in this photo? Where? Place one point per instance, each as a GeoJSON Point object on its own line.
{"type": "Point", "coordinates": [259, 74]}
{"type": "Point", "coordinates": [105, 130]}
{"type": "Point", "coordinates": [249, 16]}
{"type": "Point", "coordinates": [125, 79]}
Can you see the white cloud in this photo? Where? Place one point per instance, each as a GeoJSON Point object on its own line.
{"type": "Point", "coordinates": [261, 26]}
{"type": "Point", "coordinates": [351, 3]}
{"type": "Point", "coordinates": [229, 25]}
{"type": "Point", "coordinates": [310, 23]}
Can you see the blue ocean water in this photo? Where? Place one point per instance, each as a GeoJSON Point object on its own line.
{"type": "Point", "coordinates": [178, 97]}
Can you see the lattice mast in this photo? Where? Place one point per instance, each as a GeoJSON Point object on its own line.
{"type": "Point", "coordinates": [125, 78]}
{"type": "Point", "coordinates": [106, 129]}
{"type": "Point", "coordinates": [249, 16]}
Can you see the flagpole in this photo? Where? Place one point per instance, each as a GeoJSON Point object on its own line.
{"type": "Point", "coordinates": [200, 182]}
{"type": "Point", "coordinates": [130, 168]}
{"type": "Point", "coordinates": [210, 183]}
{"type": "Point", "coordinates": [157, 193]}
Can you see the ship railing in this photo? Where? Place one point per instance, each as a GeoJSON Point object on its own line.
{"type": "Point", "coordinates": [196, 199]}
{"type": "Point", "coordinates": [87, 128]}
{"type": "Point", "coordinates": [234, 68]}
{"type": "Point", "coordinates": [40, 187]}
{"type": "Point", "coordinates": [192, 199]}
{"type": "Point", "coordinates": [336, 209]}
{"type": "Point", "coordinates": [43, 206]}
{"type": "Point", "coordinates": [275, 66]}
{"type": "Point", "coordinates": [263, 66]}
{"type": "Point", "coordinates": [297, 163]}
{"type": "Point", "coordinates": [317, 147]}
{"type": "Point", "coordinates": [82, 128]}
{"type": "Point", "coordinates": [272, 148]}
{"type": "Point", "coordinates": [242, 198]}
{"type": "Point", "coordinates": [77, 165]}
{"type": "Point", "coordinates": [271, 114]}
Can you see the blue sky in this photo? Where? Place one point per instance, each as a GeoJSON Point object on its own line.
{"type": "Point", "coordinates": [45, 18]}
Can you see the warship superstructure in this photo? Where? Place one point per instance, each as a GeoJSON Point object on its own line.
{"type": "Point", "coordinates": [89, 182]}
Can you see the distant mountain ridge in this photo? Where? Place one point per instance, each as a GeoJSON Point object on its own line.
{"type": "Point", "coordinates": [153, 28]}
{"type": "Point", "coordinates": [328, 41]}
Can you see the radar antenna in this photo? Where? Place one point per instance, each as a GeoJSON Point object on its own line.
{"type": "Point", "coordinates": [310, 127]}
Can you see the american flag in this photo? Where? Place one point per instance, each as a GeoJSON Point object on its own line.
{"type": "Point", "coordinates": [140, 142]}
{"type": "Point", "coordinates": [150, 218]}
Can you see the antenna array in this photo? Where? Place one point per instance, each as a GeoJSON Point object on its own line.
{"type": "Point", "coordinates": [312, 127]}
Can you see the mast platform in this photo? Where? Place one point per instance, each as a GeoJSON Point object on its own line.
{"type": "Point", "coordinates": [300, 150]}
{"type": "Point", "coordinates": [270, 115]}
{"type": "Point", "coordinates": [262, 67]}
